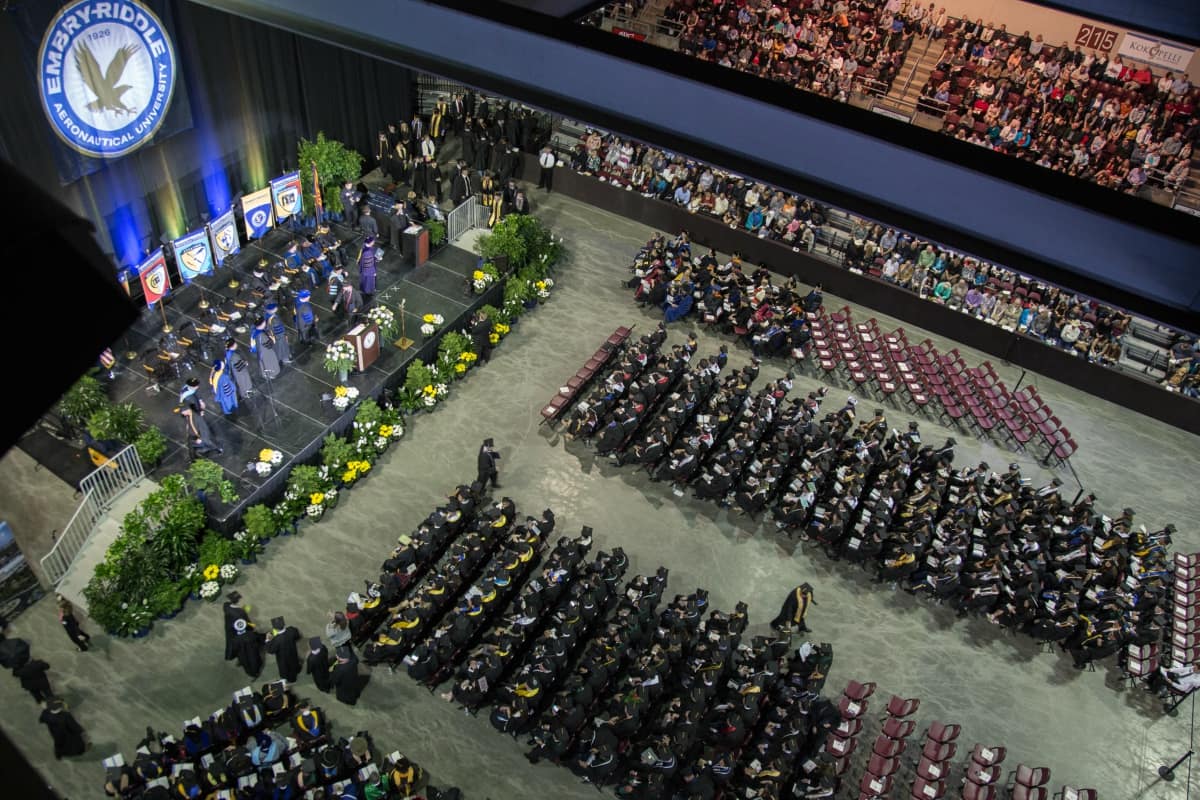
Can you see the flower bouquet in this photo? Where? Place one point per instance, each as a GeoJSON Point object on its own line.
{"type": "Point", "coordinates": [339, 358]}
{"type": "Point", "coordinates": [228, 572]}
{"type": "Point", "coordinates": [209, 590]}
{"type": "Point", "coordinates": [343, 396]}
{"type": "Point", "coordinates": [355, 470]}
{"type": "Point", "coordinates": [385, 318]}
{"type": "Point", "coordinates": [268, 459]}
{"type": "Point", "coordinates": [484, 277]}
{"type": "Point", "coordinates": [543, 287]}
{"type": "Point", "coordinates": [430, 323]}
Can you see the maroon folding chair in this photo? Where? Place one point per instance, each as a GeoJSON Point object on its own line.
{"type": "Point", "coordinates": [888, 748]}
{"type": "Point", "coordinates": [927, 790]}
{"type": "Point", "coordinates": [899, 707]}
{"type": "Point", "coordinates": [973, 791]}
{"type": "Point", "coordinates": [988, 756]}
{"type": "Point", "coordinates": [1021, 792]}
{"type": "Point", "coordinates": [932, 770]}
{"type": "Point", "coordinates": [1030, 776]}
{"type": "Point", "coordinates": [838, 747]}
{"type": "Point", "coordinates": [859, 691]}
{"type": "Point", "coordinates": [896, 728]}
{"type": "Point", "coordinates": [942, 733]}
{"type": "Point", "coordinates": [852, 709]}
{"type": "Point", "coordinates": [882, 767]}
{"type": "Point", "coordinates": [978, 773]}
{"type": "Point", "coordinates": [875, 786]}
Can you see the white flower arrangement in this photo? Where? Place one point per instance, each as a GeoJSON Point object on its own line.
{"type": "Point", "coordinates": [268, 459]}
{"type": "Point", "coordinates": [397, 430]}
{"type": "Point", "coordinates": [438, 319]}
{"type": "Point", "coordinates": [380, 443]}
{"type": "Point", "coordinates": [315, 510]}
{"type": "Point", "coordinates": [428, 329]}
{"type": "Point", "coordinates": [276, 458]}
{"type": "Point", "coordinates": [240, 536]}
{"type": "Point", "coordinates": [263, 468]}
{"type": "Point", "coordinates": [330, 494]}
{"type": "Point", "coordinates": [228, 572]}
{"type": "Point", "coordinates": [429, 401]}
{"type": "Point", "coordinates": [209, 589]}
{"type": "Point", "coordinates": [339, 356]}
{"type": "Point", "coordinates": [384, 317]}
{"type": "Point", "coordinates": [441, 389]}
{"type": "Point", "coordinates": [479, 285]}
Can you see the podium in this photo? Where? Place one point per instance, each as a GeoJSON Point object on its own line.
{"type": "Point", "coordinates": [416, 244]}
{"type": "Point", "coordinates": [365, 339]}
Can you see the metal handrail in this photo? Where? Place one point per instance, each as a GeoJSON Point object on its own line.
{"type": "Point", "coordinates": [100, 488]}
{"type": "Point", "coordinates": [464, 217]}
{"type": "Point", "coordinates": [916, 64]}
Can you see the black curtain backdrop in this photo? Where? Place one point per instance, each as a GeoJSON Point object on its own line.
{"type": "Point", "coordinates": [253, 91]}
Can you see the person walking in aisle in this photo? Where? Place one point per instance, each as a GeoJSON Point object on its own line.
{"type": "Point", "coordinates": [794, 608]}
{"type": "Point", "coordinates": [66, 616]}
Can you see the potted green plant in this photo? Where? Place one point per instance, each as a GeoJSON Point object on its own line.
{"type": "Point", "coordinates": [122, 421]}
{"type": "Point", "coordinates": [81, 401]}
{"type": "Point", "coordinates": [151, 446]}
{"type": "Point", "coordinates": [437, 233]}
{"type": "Point", "coordinates": [207, 478]}
{"type": "Point", "coordinates": [339, 359]}
{"type": "Point", "coordinates": [167, 599]}
{"type": "Point", "coordinates": [335, 164]}
{"type": "Point", "coordinates": [386, 320]}
{"type": "Point", "coordinates": [259, 522]}
{"type": "Point", "coordinates": [246, 547]}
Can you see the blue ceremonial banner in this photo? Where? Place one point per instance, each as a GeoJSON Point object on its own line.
{"type": "Point", "coordinates": [193, 254]}
{"type": "Point", "coordinates": [256, 208]}
{"type": "Point", "coordinates": [288, 197]}
{"type": "Point", "coordinates": [224, 234]}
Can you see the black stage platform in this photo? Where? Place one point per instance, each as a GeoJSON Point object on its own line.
{"type": "Point", "coordinates": [288, 415]}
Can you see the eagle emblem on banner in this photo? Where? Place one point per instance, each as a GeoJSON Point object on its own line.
{"type": "Point", "coordinates": [226, 238]}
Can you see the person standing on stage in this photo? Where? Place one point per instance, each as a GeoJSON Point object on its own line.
{"type": "Point", "coordinates": [546, 161]}
{"type": "Point", "coordinates": [349, 302]}
{"type": "Point", "coordinates": [330, 245]}
{"type": "Point", "coordinates": [279, 332]}
{"type": "Point", "coordinates": [367, 269]}
{"type": "Point", "coordinates": [486, 464]}
{"type": "Point", "coordinates": [460, 187]}
{"type": "Point", "coordinates": [66, 616]}
{"type": "Point", "coordinates": [237, 368]}
{"type": "Point", "coordinates": [350, 204]}
{"type": "Point", "coordinates": [437, 120]}
{"type": "Point", "coordinates": [368, 223]}
{"type": "Point", "coordinates": [195, 427]}
{"type": "Point", "coordinates": [223, 389]}
{"type": "Point", "coordinates": [306, 318]}
{"type": "Point", "coordinates": [317, 663]}
{"type": "Point", "coordinates": [794, 608]}
{"type": "Point", "coordinates": [397, 222]}
{"type": "Point", "coordinates": [262, 344]}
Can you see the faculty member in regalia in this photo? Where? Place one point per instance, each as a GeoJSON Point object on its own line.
{"type": "Point", "coordinates": [279, 331]}
{"type": "Point", "coordinates": [262, 344]}
{"type": "Point", "coordinates": [237, 369]}
{"type": "Point", "coordinates": [367, 269]}
{"type": "Point", "coordinates": [223, 389]}
{"type": "Point", "coordinates": [306, 317]}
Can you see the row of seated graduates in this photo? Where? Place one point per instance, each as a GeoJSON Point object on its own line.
{"type": "Point", "coordinates": [1108, 583]}
{"type": "Point", "coordinates": [633, 360]}
{"type": "Point", "coordinates": [1012, 552]}
{"type": "Point", "coordinates": [980, 541]}
{"type": "Point", "coordinates": [767, 317]}
{"type": "Point", "coordinates": [237, 753]}
{"type": "Point", "coordinates": [490, 549]}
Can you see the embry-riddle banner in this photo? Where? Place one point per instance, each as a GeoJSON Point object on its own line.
{"type": "Point", "coordinates": [287, 196]}
{"type": "Point", "coordinates": [256, 210]}
{"type": "Point", "coordinates": [107, 74]}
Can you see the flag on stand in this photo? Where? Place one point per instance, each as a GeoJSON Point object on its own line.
{"type": "Point", "coordinates": [224, 235]}
{"type": "Point", "coordinates": [257, 212]}
{"type": "Point", "coordinates": [318, 202]}
{"type": "Point", "coordinates": [153, 274]}
{"type": "Point", "coordinates": [193, 254]}
{"type": "Point", "coordinates": [287, 196]}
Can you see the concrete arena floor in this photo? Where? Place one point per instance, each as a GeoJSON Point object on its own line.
{"type": "Point", "coordinates": [999, 687]}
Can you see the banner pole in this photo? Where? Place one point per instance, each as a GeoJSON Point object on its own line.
{"type": "Point", "coordinates": [166, 325]}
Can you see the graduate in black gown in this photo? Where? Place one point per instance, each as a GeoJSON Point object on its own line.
{"type": "Point", "coordinates": [282, 642]}
{"type": "Point", "coordinates": [794, 608]}
{"type": "Point", "coordinates": [64, 729]}
{"type": "Point", "coordinates": [346, 681]}
{"type": "Point", "coordinates": [233, 612]}
{"type": "Point", "coordinates": [317, 663]}
{"type": "Point", "coordinates": [486, 464]}
{"type": "Point", "coordinates": [247, 647]}
{"type": "Point", "coordinates": [32, 675]}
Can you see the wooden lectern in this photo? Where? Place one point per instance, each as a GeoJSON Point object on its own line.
{"type": "Point", "coordinates": [416, 240]}
{"type": "Point", "coordinates": [365, 339]}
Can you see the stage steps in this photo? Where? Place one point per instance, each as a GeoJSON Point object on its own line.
{"type": "Point", "coordinates": [104, 533]}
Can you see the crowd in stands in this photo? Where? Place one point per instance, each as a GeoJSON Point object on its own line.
{"type": "Point", "coordinates": [829, 50]}
{"type": "Point", "coordinates": [985, 542]}
{"type": "Point", "coordinates": [265, 744]}
{"type": "Point", "coordinates": [1082, 113]}
{"type": "Point", "coordinates": [989, 292]}
{"type": "Point", "coordinates": [1117, 124]}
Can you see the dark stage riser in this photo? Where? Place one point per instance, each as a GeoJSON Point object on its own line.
{"type": "Point", "coordinates": [288, 415]}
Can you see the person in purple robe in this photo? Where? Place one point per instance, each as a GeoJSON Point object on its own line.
{"type": "Point", "coordinates": [366, 269]}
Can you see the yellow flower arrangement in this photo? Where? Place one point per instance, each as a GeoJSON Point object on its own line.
{"type": "Point", "coordinates": [478, 275]}
{"type": "Point", "coordinates": [364, 467]}
{"type": "Point", "coordinates": [494, 338]}
{"type": "Point", "coordinates": [212, 572]}
{"type": "Point", "coordinates": [467, 356]}
{"type": "Point", "coordinates": [349, 475]}
{"type": "Point", "coordinates": [386, 431]}
{"type": "Point", "coordinates": [460, 368]}
{"type": "Point", "coordinates": [265, 454]}
{"type": "Point", "coordinates": [316, 498]}
{"type": "Point", "coordinates": [429, 391]}
{"type": "Point", "coordinates": [339, 391]}
{"type": "Point", "coordinates": [501, 329]}
{"type": "Point", "coordinates": [540, 286]}
{"type": "Point", "coordinates": [430, 318]}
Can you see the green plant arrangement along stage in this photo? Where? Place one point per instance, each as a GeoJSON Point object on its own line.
{"type": "Point", "coordinates": [336, 164]}
{"type": "Point", "coordinates": [164, 554]}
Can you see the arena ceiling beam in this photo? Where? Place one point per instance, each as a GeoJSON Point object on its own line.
{"type": "Point", "coordinates": [1110, 246]}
